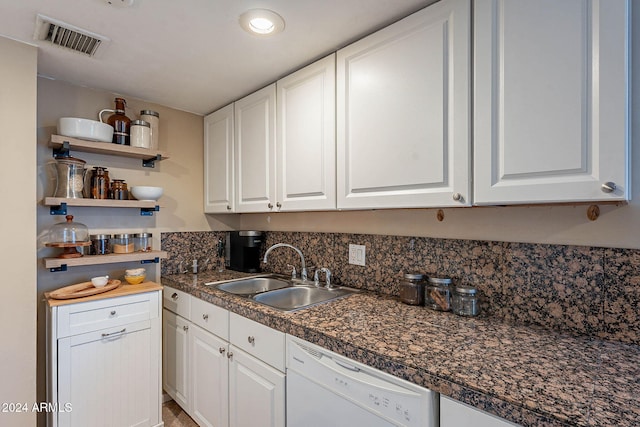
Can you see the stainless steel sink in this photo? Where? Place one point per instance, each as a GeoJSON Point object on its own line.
{"type": "Point", "coordinates": [297, 297]}
{"type": "Point", "coordinates": [253, 285]}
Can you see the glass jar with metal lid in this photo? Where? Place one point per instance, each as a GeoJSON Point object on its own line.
{"type": "Point", "coordinates": [140, 134]}
{"type": "Point", "coordinates": [412, 289]}
{"type": "Point", "coordinates": [122, 244]}
{"type": "Point", "coordinates": [100, 244]}
{"type": "Point", "coordinates": [465, 301]}
{"type": "Point", "coordinates": [153, 118]}
{"type": "Point", "coordinates": [438, 294]}
{"type": "Point", "coordinates": [142, 242]}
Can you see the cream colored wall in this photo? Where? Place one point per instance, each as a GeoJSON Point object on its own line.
{"type": "Point", "coordinates": [18, 229]}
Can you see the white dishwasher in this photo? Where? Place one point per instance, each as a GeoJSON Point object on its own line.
{"type": "Point", "coordinates": [326, 389]}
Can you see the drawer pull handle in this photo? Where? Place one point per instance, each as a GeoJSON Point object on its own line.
{"type": "Point", "coordinates": [230, 355]}
{"type": "Point", "coordinates": [174, 296]}
{"type": "Point", "coordinates": [221, 350]}
{"type": "Point", "coordinates": [114, 333]}
{"type": "Point", "coordinates": [185, 328]}
{"type": "Point", "coordinates": [251, 339]}
{"type": "Point", "coordinates": [205, 317]}
{"type": "Point", "coordinates": [113, 312]}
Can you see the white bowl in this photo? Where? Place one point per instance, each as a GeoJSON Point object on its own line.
{"type": "Point", "coordinates": [85, 129]}
{"type": "Point", "coordinates": [142, 192]}
{"type": "Point", "coordinates": [99, 281]}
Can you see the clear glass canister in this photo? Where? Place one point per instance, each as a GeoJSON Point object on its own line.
{"type": "Point", "coordinates": [465, 301]}
{"type": "Point", "coordinates": [412, 289]}
{"type": "Point", "coordinates": [122, 244]}
{"type": "Point", "coordinates": [140, 134]}
{"type": "Point", "coordinates": [142, 242]}
{"type": "Point", "coordinates": [153, 118]}
{"type": "Point", "coordinates": [438, 294]}
{"type": "Point", "coordinates": [100, 244]}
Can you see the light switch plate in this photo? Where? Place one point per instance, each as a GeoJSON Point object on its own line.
{"type": "Point", "coordinates": [357, 254]}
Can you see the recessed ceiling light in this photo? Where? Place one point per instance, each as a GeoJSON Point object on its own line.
{"type": "Point", "coordinates": [262, 22]}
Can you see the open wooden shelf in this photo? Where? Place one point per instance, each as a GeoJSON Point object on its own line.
{"type": "Point", "coordinates": [61, 264]}
{"type": "Point", "coordinates": [100, 203]}
{"type": "Point", "coordinates": [57, 142]}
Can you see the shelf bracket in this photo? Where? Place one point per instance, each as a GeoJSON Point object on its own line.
{"type": "Point", "coordinates": [151, 163]}
{"type": "Point", "coordinates": [150, 261]}
{"type": "Point", "coordinates": [61, 209]}
{"type": "Point", "coordinates": [149, 211]}
{"type": "Point", "coordinates": [63, 267]}
{"type": "Point", "coordinates": [62, 151]}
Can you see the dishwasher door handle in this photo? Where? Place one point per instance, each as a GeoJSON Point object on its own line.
{"type": "Point", "coordinates": [346, 366]}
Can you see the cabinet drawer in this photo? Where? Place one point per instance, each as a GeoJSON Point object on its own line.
{"type": "Point", "coordinates": [177, 301]}
{"type": "Point", "coordinates": [210, 317]}
{"type": "Point", "coordinates": [79, 318]}
{"type": "Point", "coordinates": [258, 340]}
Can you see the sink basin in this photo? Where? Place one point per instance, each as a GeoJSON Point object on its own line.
{"type": "Point", "coordinates": [297, 297]}
{"type": "Point", "coordinates": [254, 285]}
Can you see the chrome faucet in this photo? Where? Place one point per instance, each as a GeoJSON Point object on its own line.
{"type": "Point", "coordinates": [303, 272]}
{"type": "Point", "coordinates": [327, 274]}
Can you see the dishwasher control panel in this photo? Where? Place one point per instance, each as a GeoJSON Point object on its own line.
{"type": "Point", "coordinates": [392, 399]}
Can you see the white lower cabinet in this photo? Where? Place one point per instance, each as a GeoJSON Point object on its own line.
{"type": "Point", "coordinates": [457, 414]}
{"type": "Point", "coordinates": [104, 362]}
{"type": "Point", "coordinates": [222, 369]}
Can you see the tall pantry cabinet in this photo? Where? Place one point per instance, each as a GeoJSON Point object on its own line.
{"type": "Point", "coordinates": [551, 108]}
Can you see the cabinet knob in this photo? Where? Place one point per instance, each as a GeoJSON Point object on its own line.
{"type": "Point", "coordinates": [251, 340]}
{"type": "Point", "coordinates": [174, 296]}
{"type": "Point", "coordinates": [278, 205]}
{"type": "Point", "coordinates": [228, 207]}
{"type": "Point", "coordinates": [457, 197]}
{"type": "Point", "coordinates": [185, 328]}
{"type": "Point", "coordinates": [229, 355]}
{"type": "Point", "coordinates": [205, 317]}
{"type": "Point", "coordinates": [221, 350]}
{"type": "Point", "coordinates": [113, 313]}
{"type": "Point", "coordinates": [608, 187]}
{"type": "Point", "coordinates": [270, 205]}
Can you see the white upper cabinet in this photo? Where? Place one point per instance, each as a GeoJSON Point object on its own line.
{"type": "Point", "coordinates": [306, 145]}
{"type": "Point", "coordinates": [218, 161]}
{"type": "Point", "coordinates": [403, 124]}
{"type": "Point", "coordinates": [551, 106]}
{"type": "Point", "coordinates": [255, 138]}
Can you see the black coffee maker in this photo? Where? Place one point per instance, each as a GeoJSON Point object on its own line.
{"type": "Point", "coordinates": [243, 250]}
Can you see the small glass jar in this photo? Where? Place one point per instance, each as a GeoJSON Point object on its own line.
{"type": "Point", "coordinates": [100, 244]}
{"type": "Point", "coordinates": [438, 294]}
{"type": "Point", "coordinates": [99, 183]}
{"type": "Point", "coordinates": [140, 134]}
{"type": "Point", "coordinates": [119, 190]}
{"type": "Point", "coordinates": [122, 244]}
{"type": "Point", "coordinates": [142, 242]}
{"type": "Point", "coordinates": [412, 289]}
{"type": "Point", "coordinates": [465, 301]}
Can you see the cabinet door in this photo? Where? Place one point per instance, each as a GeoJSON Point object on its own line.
{"type": "Point", "coordinates": [255, 135]}
{"type": "Point", "coordinates": [403, 93]}
{"type": "Point", "coordinates": [109, 375]}
{"type": "Point", "coordinates": [551, 105]}
{"type": "Point", "coordinates": [306, 143]}
{"type": "Point", "coordinates": [175, 372]}
{"type": "Point", "coordinates": [457, 414]}
{"type": "Point", "coordinates": [209, 379]}
{"type": "Point", "coordinates": [256, 392]}
{"type": "Point", "coordinates": [218, 161]}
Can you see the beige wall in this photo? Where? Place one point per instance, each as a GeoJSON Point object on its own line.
{"type": "Point", "coordinates": [18, 229]}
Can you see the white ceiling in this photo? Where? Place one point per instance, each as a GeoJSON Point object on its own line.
{"type": "Point", "coordinates": [192, 54]}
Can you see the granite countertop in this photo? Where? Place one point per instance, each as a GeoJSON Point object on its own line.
{"type": "Point", "coordinates": [529, 376]}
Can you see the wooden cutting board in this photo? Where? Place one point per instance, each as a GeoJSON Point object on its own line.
{"type": "Point", "coordinates": [83, 289]}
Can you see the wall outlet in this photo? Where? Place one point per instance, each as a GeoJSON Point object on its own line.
{"type": "Point", "coordinates": [357, 254]}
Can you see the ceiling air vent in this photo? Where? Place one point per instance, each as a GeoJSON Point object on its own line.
{"type": "Point", "coordinates": [68, 36]}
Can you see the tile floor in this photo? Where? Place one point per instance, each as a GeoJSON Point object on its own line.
{"type": "Point", "coordinates": [174, 416]}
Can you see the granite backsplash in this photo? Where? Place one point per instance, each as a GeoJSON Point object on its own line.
{"type": "Point", "coordinates": [583, 290]}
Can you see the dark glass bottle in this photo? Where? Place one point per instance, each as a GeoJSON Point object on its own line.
{"type": "Point", "coordinates": [120, 122]}
{"type": "Point", "coordinates": [99, 183]}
